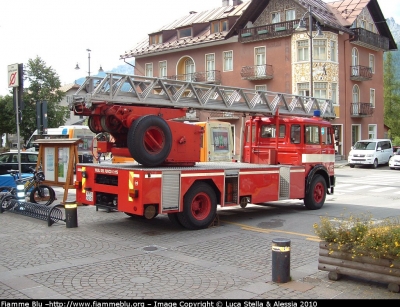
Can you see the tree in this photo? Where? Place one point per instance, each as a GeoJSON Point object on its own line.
{"type": "Point", "coordinates": [41, 83]}
{"type": "Point", "coordinates": [391, 97]}
{"type": "Point", "coordinates": [7, 117]}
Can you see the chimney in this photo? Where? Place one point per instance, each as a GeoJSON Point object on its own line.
{"type": "Point", "coordinates": [225, 2]}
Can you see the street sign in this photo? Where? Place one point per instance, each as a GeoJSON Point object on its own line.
{"type": "Point", "coordinates": [13, 78]}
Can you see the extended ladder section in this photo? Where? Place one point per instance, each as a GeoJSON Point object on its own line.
{"type": "Point", "coordinates": [159, 92]}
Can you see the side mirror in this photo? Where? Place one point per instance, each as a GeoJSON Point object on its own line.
{"type": "Point", "coordinates": [379, 149]}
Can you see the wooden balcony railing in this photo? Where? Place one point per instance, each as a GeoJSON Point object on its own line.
{"type": "Point", "coordinates": [360, 73]}
{"type": "Point", "coordinates": [257, 72]}
{"type": "Point", "coordinates": [361, 109]}
{"type": "Point", "coordinates": [274, 30]}
{"type": "Point", "coordinates": [369, 39]}
{"type": "Point", "coordinates": [211, 76]}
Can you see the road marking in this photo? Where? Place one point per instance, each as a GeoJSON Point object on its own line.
{"type": "Point", "coordinates": [361, 187]}
{"type": "Point", "coordinates": [383, 189]}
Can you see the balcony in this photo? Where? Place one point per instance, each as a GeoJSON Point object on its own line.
{"type": "Point", "coordinates": [211, 76]}
{"type": "Point", "coordinates": [361, 109]}
{"type": "Point", "coordinates": [257, 72]}
{"type": "Point", "coordinates": [369, 40]}
{"type": "Point", "coordinates": [360, 73]}
{"type": "Point", "coordinates": [270, 31]}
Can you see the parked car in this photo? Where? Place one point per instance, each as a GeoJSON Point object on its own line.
{"type": "Point", "coordinates": [394, 162]}
{"type": "Point", "coordinates": [9, 161]}
{"type": "Point", "coordinates": [371, 152]}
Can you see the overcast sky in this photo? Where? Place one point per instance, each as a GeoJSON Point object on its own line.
{"type": "Point", "coordinates": [59, 32]}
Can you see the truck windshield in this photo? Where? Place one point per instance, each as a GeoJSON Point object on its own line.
{"type": "Point", "coordinates": [365, 145]}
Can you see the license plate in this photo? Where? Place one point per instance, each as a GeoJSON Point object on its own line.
{"type": "Point", "coordinates": [89, 196]}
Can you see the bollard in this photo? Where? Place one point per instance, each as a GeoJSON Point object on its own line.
{"type": "Point", "coordinates": [71, 214]}
{"type": "Point", "coordinates": [280, 260]}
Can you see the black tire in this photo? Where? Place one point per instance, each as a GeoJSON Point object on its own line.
{"type": "Point", "coordinates": [199, 207]}
{"type": "Point", "coordinates": [43, 194]}
{"type": "Point", "coordinates": [8, 201]}
{"type": "Point", "coordinates": [351, 165]}
{"type": "Point", "coordinates": [316, 195]}
{"type": "Point", "coordinates": [173, 217]}
{"type": "Point", "coordinates": [91, 124]}
{"type": "Point", "coordinates": [375, 164]}
{"type": "Point", "coordinates": [149, 140]}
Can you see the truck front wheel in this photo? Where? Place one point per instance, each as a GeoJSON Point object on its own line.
{"type": "Point", "coordinates": [199, 207]}
{"type": "Point", "coordinates": [316, 194]}
{"type": "Point", "coordinates": [149, 140]}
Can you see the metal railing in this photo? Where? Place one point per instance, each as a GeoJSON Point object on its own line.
{"type": "Point", "coordinates": [361, 109]}
{"type": "Point", "coordinates": [257, 72]}
{"type": "Point", "coordinates": [211, 76]}
{"type": "Point", "coordinates": [360, 73]}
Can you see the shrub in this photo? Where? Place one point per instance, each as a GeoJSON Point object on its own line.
{"type": "Point", "coordinates": [362, 236]}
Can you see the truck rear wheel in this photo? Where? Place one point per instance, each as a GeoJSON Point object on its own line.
{"type": "Point", "coordinates": [316, 195]}
{"type": "Point", "coordinates": [173, 217]}
{"type": "Point", "coordinates": [149, 140]}
{"type": "Point", "coordinates": [199, 207]}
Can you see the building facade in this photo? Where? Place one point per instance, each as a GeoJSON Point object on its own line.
{"type": "Point", "coordinates": [308, 47]}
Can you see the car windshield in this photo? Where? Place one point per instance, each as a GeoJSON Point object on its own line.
{"type": "Point", "coordinates": [365, 145]}
{"type": "Point", "coordinates": [4, 158]}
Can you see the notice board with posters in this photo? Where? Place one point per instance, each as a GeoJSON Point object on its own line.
{"type": "Point", "coordinates": [57, 158]}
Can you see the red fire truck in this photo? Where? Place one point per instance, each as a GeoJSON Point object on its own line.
{"type": "Point", "coordinates": [288, 149]}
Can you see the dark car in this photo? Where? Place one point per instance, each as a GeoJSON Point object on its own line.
{"type": "Point", "coordinates": [9, 161]}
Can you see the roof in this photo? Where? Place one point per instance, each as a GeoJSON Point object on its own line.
{"type": "Point", "coordinates": [192, 18]}
{"type": "Point", "coordinates": [65, 88]}
{"type": "Point", "coordinates": [338, 15]}
{"type": "Point", "coordinates": [350, 9]}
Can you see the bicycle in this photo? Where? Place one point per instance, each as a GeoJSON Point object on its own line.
{"type": "Point", "coordinates": [39, 193]}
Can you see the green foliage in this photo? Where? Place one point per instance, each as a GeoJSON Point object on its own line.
{"type": "Point", "coordinates": [6, 105]}
{"type": "Point", "coordinates": [391, 96]}
{"type": "Point", "coordinates": [41, 83]}
{"type": "Point", "coordinates": [362, 236]}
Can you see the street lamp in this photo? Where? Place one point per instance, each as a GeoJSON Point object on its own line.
{"type": "Point", "coordinates": [302, 27]}
{"type": "Point", "coordinates": [77, 65]}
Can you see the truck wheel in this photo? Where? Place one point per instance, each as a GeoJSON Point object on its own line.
{"type": "Point", "coordinates": [199, 207]}
{"type": "Point", "coordinates": [149, 140]}
{"type": "Point", "coordinates": [316, 195]}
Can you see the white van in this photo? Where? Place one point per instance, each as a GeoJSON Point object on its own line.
{"type": "Point", "coordinates": [371, 152]}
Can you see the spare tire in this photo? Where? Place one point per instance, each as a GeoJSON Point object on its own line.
{"type": "Point", "coordinates": [149, 140]}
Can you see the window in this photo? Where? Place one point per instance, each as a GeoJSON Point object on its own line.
{"type": "Point", "coordinates": [371, 27]}
{"type": "Point", "coordinates": [189, 70]}
{"type": "Point", "coordinates": [363, 24]}
{"type": "Point", "coordinates": [156, 39]}
{"type": "Point", "coordinates": [210, 67]}
{"type": "Point", "coordinates": [326, 135]}
{"type": "Point", "coordinates": [302, 50]}
{"type": "Point", "coordinates": [149, 69]}
{"type": "Point", "coordinates": [275, 17]}
{"type": "Point", "coordinates": [355, 106]}
{"type": "Point", "coordinates": [354, 62]}
{"type": "Point", "coordinates": [290, 14]}
{"type": "Point", "coordinates": [303, 89]}
{"type": "Point", "coordinates": [269, 131]}
{"type": "Point", "coordinates": [219, 26]}
{"type": "Point", "coordinates": [295, 134]}
{"type": "Point", "coordinates": [185, 32]}
{"type": "Point", "coordinates": [162, 69]}
{"type": "Point", "coordinates": [228, 60]}
{"type": "Point", "coordinates": [311, 135]}
{"type": "Point", "coordinates": [372, 97]}
{"type": "Point", "coordinates": [261, 88]}
{"type": "Point", "coordinates": [259, 59]}
{"type": "Point", "coordinates": [319, 49]}
{"type": "Point", "coordinates": [372, 131]}
{"type": "Point", "coordinates": [333, 51]}
{"type": "Point", "coordinates": [372, 62]}
{"type": "Point", "coordinates": [320, 89]}
{"type": "Point", "coordinates": [334, 94]}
